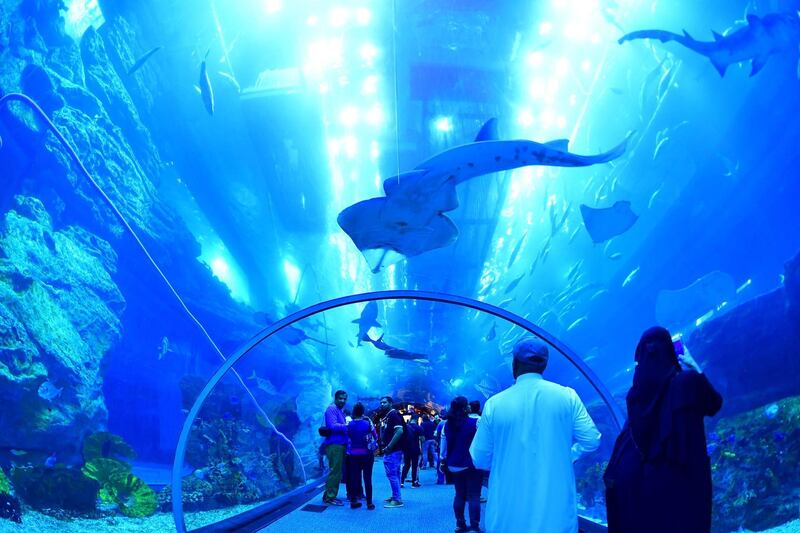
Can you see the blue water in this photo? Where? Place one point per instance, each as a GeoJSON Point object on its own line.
{"type": "Point", "coordinates": [314, 106]}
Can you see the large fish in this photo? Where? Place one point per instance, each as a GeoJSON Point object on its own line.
{"type": "Point", "coordinates": [142, 60]}
{"type": "Point", "coordinates": [409, 220]}
{"type": "Point", "coordinates": [206, 92]}
{"type": "Point", "coordinates": [761, 38]}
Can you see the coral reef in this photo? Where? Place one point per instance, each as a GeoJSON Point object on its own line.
{"type": "Point", "coordinates": [58, 490]}
{"type": "Point", "coordinates": [755, 459]}
{"type": "Point", "coordinates": [10, 508]}
{"type": "Point", "coordinates": [197, 495]}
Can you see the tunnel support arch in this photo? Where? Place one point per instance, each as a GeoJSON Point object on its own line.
{"type": "Point", "coordinates": [572, 357]}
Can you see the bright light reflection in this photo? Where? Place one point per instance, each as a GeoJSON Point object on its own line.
{"type": "Point", "coordinates": [363, 16]}
{"type": "Point", "coordinates": [545, 28]}
{"type": "Point", "coordinates": [443, 124]}
{"type": "Point", "coordinates": [273, 6]}
{"type": "Point", "coordinates": [338, 17]}
{"type": "Point", "coordinates": [525, 118]}
{"type": "Point", "coordinates": [370, 85]}
{"type": "Point", "coordinates": [349, 116]}
{"type": "Point", "coordinates": [368, 53]}
{"type": "Point", "coordinates": [292, 276]}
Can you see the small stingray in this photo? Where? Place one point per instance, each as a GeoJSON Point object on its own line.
{"type": "Point", "coordinates": [294, 336]}
{"type": "Point", "coordinates": [603, 224]}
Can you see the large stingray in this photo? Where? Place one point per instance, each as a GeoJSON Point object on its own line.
{"type": "Point", "coordinates": [677, 308]}
{"type": "Point", "coordinates": [603, 224]}
{"type": "Point", "coordinates": [409, 220]}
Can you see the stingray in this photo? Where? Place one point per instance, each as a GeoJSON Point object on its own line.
{"type": "Point", "coordinates": [409, 219]}
{"type": "Point", "coordinates": [676, 308]}
{"type": "Point", "coordinates": [603, 224]}
{"type": "Point", "coordinates": [367, 320]}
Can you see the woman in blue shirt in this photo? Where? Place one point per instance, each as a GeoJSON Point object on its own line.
{"type": "Point", "coordinates": [361, 442]}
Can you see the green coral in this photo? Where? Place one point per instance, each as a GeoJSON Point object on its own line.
{"type": "Point", "coordinates": [117, 485]}
{"type": "Point", "coordinates": [135, 498]}
{"type": "Point", "coordinates": [107, 445]}
{"type": "Point", "coordinates": [103, 470]}
{"type": "Point", "coordinates": [5, 487]}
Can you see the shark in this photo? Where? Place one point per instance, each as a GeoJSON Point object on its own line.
{"type": "Point", "coordinates": [757, 41]}
{"type": "Point", "coordinates": [409, 219]}
{"type": "Point", "coordinates": [204, 83]}
{"type": "Point", "coordinates": [367, 320]}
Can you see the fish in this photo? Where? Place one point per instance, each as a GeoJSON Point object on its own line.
{"type": "Point", "coordinates": [163, 348]}
{"type": "Point", "coordinates": [615, 256]}
{"type": "Point", "coordinates": [263, 384]}
{"type": "Point", "coordinates": [204, 83]}
{"type": "Point", "coordinates": [142, 60]}
{"type": "Point", "coordinates": [50, 462]}
{"type": "Point", "coordinates": [653, 198]}
{"type": "Point", "coordinates": [513, 285]}
{"type": "Point", "coordinates": [492, 333]}
{"type": "Point", "coordinates": [409, 220]}
{"type": "Point", "coordinates": [234, 83]}
{"type": "Point", "coordinates": [630, 276]}
{"type": "Point", "coordinates": [577, 323]}
{"type": "Point", "coordinates": [659, 145]}
{"type": "Point", "coordinates": [598, 294]}
{"type": "Point", "coordinates": [605, 223]}
{"type": "Point", "coordinates": [393, 352]}
{"type": "Point", "coordinates": [515, 251]}
{"type": "Point", "coordinates": [772, 411]}
{"type": "Point", "coordinates": [367, 321]}
{"type": "Point", "coordinates": [505, 303]}
{"type": "Point", "coordinates": [573, 271]}
{"type": "Point", "coordinates": [48, 391]}
{"type": "Point", "coordinates": [757, 41]}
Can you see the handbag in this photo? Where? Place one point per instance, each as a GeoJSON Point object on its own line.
{"type": "Point", "coordinates": [325, 431]}
{"type": "Point", "coordinates": [372, 442]}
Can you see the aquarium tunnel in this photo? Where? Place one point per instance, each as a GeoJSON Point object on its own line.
{"type": "Point", "coordinates": [214, 215]}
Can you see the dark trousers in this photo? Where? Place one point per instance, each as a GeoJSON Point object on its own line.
{"type": "Point", "coordinates": [360, 466]}
{"type": "Point", "coordinates": [468, 491]}
{"type": "Point", "coordinates": [410, 460]}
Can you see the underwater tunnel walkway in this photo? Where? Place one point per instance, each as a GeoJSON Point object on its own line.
{"type": "Point", "coordinates": [440, 502]}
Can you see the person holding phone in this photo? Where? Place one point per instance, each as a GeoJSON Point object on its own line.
{"type": "Point", "coordinates": [659, 476]}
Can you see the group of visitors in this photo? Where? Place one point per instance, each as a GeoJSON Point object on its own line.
{"type": "Point", "coordinates": [527, 438]}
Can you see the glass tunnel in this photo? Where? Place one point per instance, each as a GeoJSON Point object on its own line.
{"type": "Point", "coordinates": [214, 215]}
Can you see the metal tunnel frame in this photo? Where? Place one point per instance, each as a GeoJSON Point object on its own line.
{"type": "Point", "coordinates": [572, 357]}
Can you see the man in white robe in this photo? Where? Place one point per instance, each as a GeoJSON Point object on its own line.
{"type": "Point", "coordinates": [528, 437]}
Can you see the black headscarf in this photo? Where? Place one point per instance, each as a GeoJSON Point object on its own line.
{"type": "Point", "coordinates": [657, 364]}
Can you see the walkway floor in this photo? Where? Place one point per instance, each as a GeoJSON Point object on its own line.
{"type": "Point", "coordinates": [428, 509]}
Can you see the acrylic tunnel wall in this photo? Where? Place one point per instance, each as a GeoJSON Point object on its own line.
{"type": "Point", "coordinates": [277, 448]}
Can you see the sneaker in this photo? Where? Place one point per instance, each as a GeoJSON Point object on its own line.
{"type": "Point", "coordinates": [461, 529]}
{"type": "Point", "coordinates": [387, 500]}
{"type": "Point", "coordinates": [333, 501]}
{"type": "Point", "coordinates": [476, 529]}
{"type": "Point", "coordinates": [402, 485]}
{"type": "Point", "coordinates": [483, 500]}
{"type": "Point", "coordinates": [416, 484]}
{"type": "Point", "coordinates": [392, 504]}
{"type": "Point", "coordinates": [355, 505]}
{"type": "Point", "coordinates": [370, 507]}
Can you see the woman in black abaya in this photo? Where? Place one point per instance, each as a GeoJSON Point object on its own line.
{"type": "Point", "coordinates": [659, 477]}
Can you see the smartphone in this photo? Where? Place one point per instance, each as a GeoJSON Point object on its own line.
{"type": "Point", "coordinates": [678, 344]}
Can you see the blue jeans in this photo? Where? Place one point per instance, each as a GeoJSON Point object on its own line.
{"type": "Point", "coordinates": [391, 465]}
{"type": "Point", "coordinates": [428, 453]}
